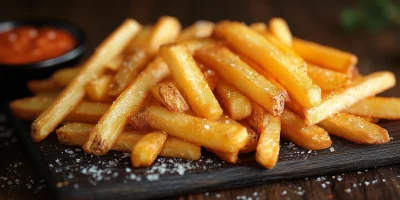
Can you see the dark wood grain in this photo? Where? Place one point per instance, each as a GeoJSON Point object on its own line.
{"type": "Point", "coordinates": [313, 20]}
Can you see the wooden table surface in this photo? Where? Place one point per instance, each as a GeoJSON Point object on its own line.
{"type": "Point", "coordinates": [313, 20]}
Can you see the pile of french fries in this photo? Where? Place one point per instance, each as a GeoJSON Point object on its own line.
{"type": "Point", "coordinates": [228, 87]}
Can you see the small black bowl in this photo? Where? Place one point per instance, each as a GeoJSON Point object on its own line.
{"type": "Point", "coordinates": [13, 78]}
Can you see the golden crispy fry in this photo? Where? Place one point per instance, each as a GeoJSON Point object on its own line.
{"type": "Point", "coordinates": [64, 76]}
{"type": "Point", "coordinates": [236, 72]}
{"type": "Point", "coordinates": [262, 72]}
{"type": "Point", "coordinates": [138, 122]}
{"type": "Point", "coordinates": [259, 118]}
{"type": "Point", "coordinates": [169, 96]}
{"type": "Point", "coordinates": [97, 90]}
{"type": "Point", "coordinates": [267, 151]}
{"type": "Point", "coordinates": [128, 103]}
{"type": "Point", "coordinates": [200, 29]}
{"type": "Point", "coordinates": [147, 148]}
{"type": "Point", "coordinates": [43, 86]}
{"type": "Point", "coordinates": [132, 65]}
{"type": "Point", "coordinates": [211, 134]}
{"type": "Point", "coordinates": [29, 108]}
{"type": "Point", "coordinates": [226, 156]}
{"type": "Point", "coordinates": [307, 137]}
{"type": "Point", "coordinates": [377, 107]}
{"type": "Point", "coordinates": [355, 129]}
{"type": "Point", "coordinates": [115, 63]}
{"type": "Point", "coordinates": [235, 103]}
{"type": "Point", "coordinates": [327, 79]}
{"type": "Point", "coordinates": [251, 44]}
{"type": "Point", "coordinates": [365, 87]}
{"type": "Point", "coordinates": [76, 134]}
{"type": "Point", "coordinates": [259, 26]}
{"type": "Point", "coordinates": [141, 40]}
{"type": "Point", "coordinates": [251, 144]}
{"type": "Point", "coordinates": [75, 91]}
{"type": "Point", "coordinates": [325, 56]}
{"type": "Point", "coordinates": [280, 29]}
{"type": "Point", "coordinates": [191, 82]}
{"type": "Point", "coordinates": [165, 31]}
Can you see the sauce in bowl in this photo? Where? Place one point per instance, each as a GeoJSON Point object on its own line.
{"type": "Point", "coordinates": [28, 44]}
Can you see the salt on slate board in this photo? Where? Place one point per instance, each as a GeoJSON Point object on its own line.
{"type": "Point", "coordinates": [73, 174]}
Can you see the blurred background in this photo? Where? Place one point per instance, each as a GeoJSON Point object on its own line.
{"type": "Point", "coordinates": [368, 28]}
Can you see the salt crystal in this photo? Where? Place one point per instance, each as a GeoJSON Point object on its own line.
{"type": "Point", "coordinates": [354, 185]}
{"type": "Point", "coordinates": [207, 126]}
{"type": "Point", "coordinates": [255, 194]}
{"type": "Point", "coordinates": [323, 185]}
{"type": "Point", "coordinates": [348, 190]}
{"type": "Point", "coordinates": [207, 193]}
{"type": "Point", "coordinates": [69, 151]}
{"type": "Point", "coordinates": [153, 177]}
{"type": "Point", "coordinates": [50, 165]}
{"type": "Point", "coordinates": [318, 179]}
{"type": "Point", "coordinates": [332, 149]}
{"type": "Point", "coordinates": [339, 178]}
{"type": "Point", "coordinates": [366, 183]}
{"type": "Point", "coordinates": [218, 196]}
{"type": "Point", "coordinates": [284, 192]}
{"type": "Point", "coordinates": [76, 186]}
{"type": "Point", "coordinates": [384, 180]}
{"type": "Point", "coordinates": [128, 170]}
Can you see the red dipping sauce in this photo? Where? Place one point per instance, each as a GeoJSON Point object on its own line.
{"type": "Point", "coordinates": [27, 44]}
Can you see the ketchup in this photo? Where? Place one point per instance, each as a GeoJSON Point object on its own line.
{"type": "Point", "coordinates": [27, 44]}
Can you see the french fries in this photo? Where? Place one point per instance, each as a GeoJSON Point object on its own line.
{"type": "Point", "coordinates": [327, 79]}
{"type": "Point", "coordinates": [377, 107]}
{"type": "Point", "coordinates": [235, 103]}
{"type": "Point", "coordinates": [280, 29]}
{"type": "Point", "coordinates": [252, 141]}
{"type": "Point", "coordinates": [200, 29]}
{"type": "Point", "coordinates": [97, 90]}
{"type": "Point", "coordinates": [147, 149]}
{"type": "Point", "coordinates": [267, 150]}
{"type": "Point", "coordinates": [210, 134]}
{"type": "Point", "coordinates": [76, 134]}
{"type": "Point", "coordinates": [141, 40]}
{"type": "Point", "coordinates": [75, 91]}
{"type": "Point", "coordinates": [64, 76]}
{"type": "Point", "coordinates": [43, 86]}
{"type": "Point", "coordinates": [166, 30]}
{"type": "Point", "coordinates": [230, 157]}
{"type": "Point", "coordinates": [251, 44]}
{"type": "Point", "coordinates": [258, 119]}
{"type": "Point", "coordinates": [365, 87]}
{"type": "Point", "coordinates": [324, 56]}
{"type": "Point", "coordinates": [169, 96]}
{"type": "Point", "coordinates": [115, 63]}
{"type": "Point", "coordinates": [190, 81]}
{"type": "Point", "coordinates": [29, 108]}
{"type": "Point", "coordinates": [244, 78]}
{"type": "Point", "coordinates": [307, 137]}
{"type": "Point", "coordinates": [355, 129]}
{"type": "Point", "coordinates": [114, 120]}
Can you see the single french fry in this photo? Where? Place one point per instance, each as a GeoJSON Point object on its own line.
{"type": "Point", "coordinates": [147, 148]}
{"type": "Point", "coordinates": [377, 107]}
{"type": "Point", "coordinates": [355, 129]}
{"type": "Point", "coordinates": [132, 65]}
{"type": "Point", "coordinates": [365, 87]}
{"type": "Point", "coordinates": [325, 56]}
{"type": "Point", "coordinates": [169, 96]}
{"type": "Point", "coordinates": [307, 137]}
{"type": "Point", "coordinates": [210, 134]}
{"type": "Point", "coordinates": [226, 156]}
{"type": "Point", "coordinates": [262, 72]}
{"type": "Point", "coordinates": [29, 108]}
{"type": "Point", "coordinates": [267, 151]}
{"type": "Point", "coordinates": [75, 91]}
{"type": "Point", "coordinates": [259, 26]}
{"type": "Point", "coordinates": [64, 76]}
{"type": "Point", "coordinates": [236, 104]}
{"type": "Point", "coordinates": [190, 81]}
{"type": "Point", "coordinates": [200, 29]}
{"type": "Point", "coordinates": [280, 29]}
{"type": "Point", "coordinates": [287, 50]}
{"type": "Point", "coordinates": [249, 43]}
{"type": "Point", "coordinates": [236, 72]}
{"type": "Point", "coordinates": [43, 86]}
{"type": "Point", "coordinates": [115, 63]}
{"type": "Point", "coordinates": [327, 79]}
{"type": "Point", "coordinates": [76, 134]}
{"type": "Point", "coordinates": [114, 120]}
{"type": "Point", "coordinates": [252, 141]}
{"type": "Point", "coordinates": [259, 118]}
{"type": "Point", "coordinates": [97, 90]}
{"type": "Point", "coordinates": [166, 30]}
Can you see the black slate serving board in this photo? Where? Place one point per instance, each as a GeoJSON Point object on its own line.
{"type": "Point", "coordinates": [73, 174]}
